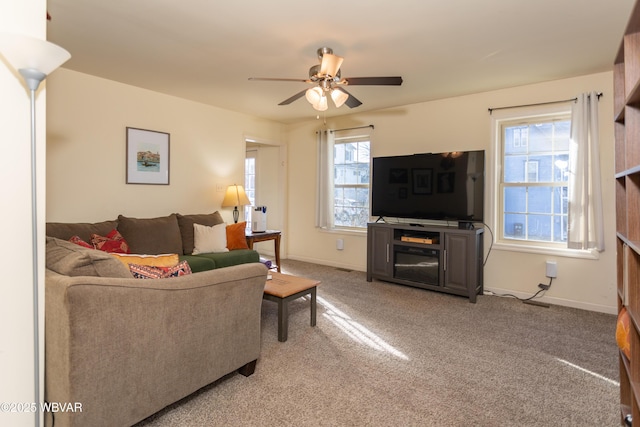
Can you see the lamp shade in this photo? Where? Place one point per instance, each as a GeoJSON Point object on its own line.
{"type": "Point", "coordinates": [322, 104]}
{"type": "Point", "coordinates": [235, 196]}
{"type": "Point", "coordinates": [330, 64]}
{"type": "Point", "coordinates": [313, 95]}
{"type": "Point", "coordinates": [339, 97]}
{"type": "Point", "coordinates": [29, 53]}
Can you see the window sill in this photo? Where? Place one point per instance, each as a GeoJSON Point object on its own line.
{"type": "Point", "coordinates": [352, 231]}
{"type": "Point", "coordinates": [563, 252]}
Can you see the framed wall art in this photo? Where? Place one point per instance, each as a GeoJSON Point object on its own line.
{"type": "Point", "coordinates": [147, 157]}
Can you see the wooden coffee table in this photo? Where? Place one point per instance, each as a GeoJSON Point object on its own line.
{"type": "Point", "coordinates": [283, 288]}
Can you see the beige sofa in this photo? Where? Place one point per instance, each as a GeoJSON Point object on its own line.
{"type": "Point", "coordinates": [125, 348]}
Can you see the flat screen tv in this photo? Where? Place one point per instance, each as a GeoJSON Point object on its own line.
{"type": "Point", "coordinates": [433, 186]}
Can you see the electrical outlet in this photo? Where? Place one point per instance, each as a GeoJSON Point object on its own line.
{"type": "Point", "coordinates": [552, 269]}
{"type": "Point", "coordinates": [339, 244]}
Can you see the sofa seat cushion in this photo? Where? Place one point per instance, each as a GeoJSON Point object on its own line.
{"type": "Point", "coordinates": [185, 222]}
{"type": "Point", "coordinates": [151, 236]}
{"type": "Point", "coordinates": [198, 263]}
{"type": "Point", "coordinates": [227, 259]}
{"type": "Point", "coordinates": [70, 259]}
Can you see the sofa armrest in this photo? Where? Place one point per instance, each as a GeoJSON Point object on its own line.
{"type": "Point", "coordinates": [126, 348]}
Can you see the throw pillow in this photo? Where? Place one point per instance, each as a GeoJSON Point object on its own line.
{"type": "Point", "coordinates": [163, 260]}
{"type": "Point", "coordinates": [209, 239]}
{"type": "Point", "coordinates": [622, 332]}
{"type": "Point", "coordinates": [186, 222]}
{"type": "Point", "coordinates": [235, 236]}
{"type": "Point", "coordinates": [112, 242]}
{"type": "Point", "coordinates": [78, 241]}
{"type": "Point", "coordinates": [151, 272]}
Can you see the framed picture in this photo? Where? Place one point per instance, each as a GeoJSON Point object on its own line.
{"type": "Point", "coordinates": [147, 157]}
{"type": "Point", "coordinates": [422, 181]}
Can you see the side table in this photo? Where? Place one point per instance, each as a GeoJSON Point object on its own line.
{"type": "Point", "coordinates": [253, 237]}
{"type": "Point", "coordinates": [283, 288]}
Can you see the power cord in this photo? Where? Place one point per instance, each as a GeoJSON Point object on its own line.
{"type": "Point", "coordinates": [490, 245]}
{"type": "Point", "coordinates": [542, 286]}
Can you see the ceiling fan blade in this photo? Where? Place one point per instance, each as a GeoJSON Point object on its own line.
{"type": "Point", "coordinates": [352, 101]}
{"type": "Point", "coordinates": [330, 64]}
{"type": "Point", "coordinates": [376, 81]}
{"type": "Point", "coordinates": [293, 98]}
{"type": "Point", "coordinates": [272, 79]}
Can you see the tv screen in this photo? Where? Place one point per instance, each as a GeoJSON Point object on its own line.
{"type": "Point", "coordinates": [436, 186]}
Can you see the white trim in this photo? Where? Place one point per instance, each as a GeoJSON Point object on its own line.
{"type": "Point", "coordinates": [546, 250]}
{"type": "Point", "coordinates": [362, 232]}
{"type": "Point", "coordinates": [325, 262]}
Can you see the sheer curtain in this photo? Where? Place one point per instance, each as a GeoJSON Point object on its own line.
{"type": "Point", "coordinates": [324, 190]}
{"type": "Point", "coordinates": [585, 227]}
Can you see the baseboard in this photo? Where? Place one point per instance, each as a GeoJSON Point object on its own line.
{"type": "Point", "coordinates": [557, 301]}
{"type": "Point", "coordinates": [328, 263]}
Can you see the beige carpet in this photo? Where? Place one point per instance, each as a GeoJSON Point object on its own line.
{"type": "Point", "coordinates": [389, 355]}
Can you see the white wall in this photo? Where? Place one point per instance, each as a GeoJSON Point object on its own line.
{"type": "Point", "coordinates": [16, 301]}
{"type": "Point", "coordinates": [461, 123]}
{"type": "Point", "coordinates": [87, 118]}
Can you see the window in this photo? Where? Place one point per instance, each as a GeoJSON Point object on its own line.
{"type": "Point", "coordinates": [250, 183]}
{"type": "Point", "coordinates": [351, 176]}
{"type": "Point", "coordinates": [533, 183]}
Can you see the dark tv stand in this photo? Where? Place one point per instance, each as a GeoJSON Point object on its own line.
{"type": "Point", "coordinates": [437, 258]}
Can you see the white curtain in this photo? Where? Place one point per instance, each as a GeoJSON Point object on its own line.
{"type": "Point", "coordinates": [324, 187]}
{"type": "Point", "coordinates": [585, 228]}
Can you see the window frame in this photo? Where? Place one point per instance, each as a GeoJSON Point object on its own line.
{"type": "Point", "coordinates": [530, 114]}
{"type": "Point", "coordinates": [345, 139]}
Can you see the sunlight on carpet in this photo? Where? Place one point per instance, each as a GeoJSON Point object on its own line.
{"type": "Point", "coordinates": [586, 371]}
{"type": "Point", "coordinates": [356, 331]}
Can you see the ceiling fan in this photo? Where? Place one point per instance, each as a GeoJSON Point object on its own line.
{"type": "Point", "coordinates": [327, 81]}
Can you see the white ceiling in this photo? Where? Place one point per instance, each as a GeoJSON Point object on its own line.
{"type": "Point", "coordinates": [205, 50]}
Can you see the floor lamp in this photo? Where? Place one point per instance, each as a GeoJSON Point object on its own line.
{"type": "Point", "coordinates": [34, 59]}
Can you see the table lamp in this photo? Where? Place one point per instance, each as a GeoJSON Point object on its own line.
{"type": "Point", "coordinates": [235, 196]}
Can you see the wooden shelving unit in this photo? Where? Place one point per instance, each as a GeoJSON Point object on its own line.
{"type": "Point", "coordinates": [627, 174]}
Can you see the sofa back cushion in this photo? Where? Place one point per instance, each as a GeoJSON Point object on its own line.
{"type": "Point", "coordinates": [151, 236]}
{"type": "Point", "coordinates": [186, 227]}
{"type": "Point", "coordinates": [84, 230]}
{"type": "Point", "coordinates": [71, 259]}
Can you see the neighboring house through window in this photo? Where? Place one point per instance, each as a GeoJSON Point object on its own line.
{"type": "Point", "coordinates": [344, 180]}
{"type": "Point", "coordinates": [532, 190]}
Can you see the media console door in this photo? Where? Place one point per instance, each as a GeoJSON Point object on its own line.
{"type": "Point", "coordinates": [380, 257]}
{"type": "Point", "coordinates": [456, 267]}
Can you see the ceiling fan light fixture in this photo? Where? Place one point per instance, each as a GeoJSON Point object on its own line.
{"type": "Point", "coordinates": [313, 95]}
{"type": "Point", "coordinates": [339, 97]}
{"type": "Point", "coordinates": [330, 64]}
{"type": "Point", "coordinates": [322, 104]}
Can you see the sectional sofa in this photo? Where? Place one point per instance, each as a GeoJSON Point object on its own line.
{"type": "Point", "coordinates": [124, 348]}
